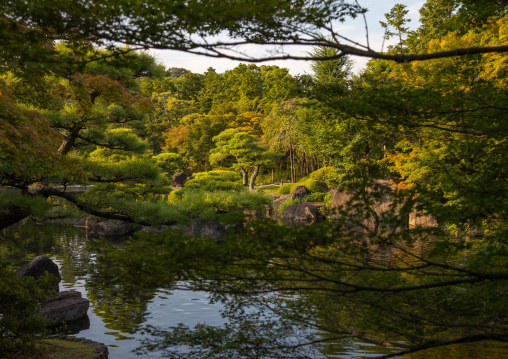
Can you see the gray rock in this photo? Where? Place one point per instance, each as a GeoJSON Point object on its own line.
{"type": "Point", "coordinates": [37, 267]}
{"type": "Point", "coordinates": [212, 229]}
{"type": "Point", "coordinates": [68, 306]}
{"type": "Point", "coordinates": [178, 179]}
{"type": "Point", "coordinates": [96, 227]}
{"type": "Point", "coordinates": [299, 192]}
{"type": "Point", "coordinates": [421, 219]}
{"type": "Point", "coordinates": [109, 229]}
{"type": "Point", "coordinates": [366, 216]}
{"type": "Point", "coordinates": [303, 212]}
{"type": "Point", "coordinates": [278, 202]}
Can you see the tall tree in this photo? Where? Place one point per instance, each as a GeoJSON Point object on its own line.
{"type": "Point", "coordinates": [245, 151]}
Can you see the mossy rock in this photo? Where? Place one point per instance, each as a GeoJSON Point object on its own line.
{"type": "Point", "coordinates": [56, 348]}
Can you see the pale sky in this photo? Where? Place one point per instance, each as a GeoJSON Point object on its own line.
{"type": "Point", "coordinates": [353, 29]}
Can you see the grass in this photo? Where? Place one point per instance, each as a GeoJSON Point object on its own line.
{"type": "Point", "coordinates": [60, 349]}
{"type": "Point", "coordinates": [270, 189]}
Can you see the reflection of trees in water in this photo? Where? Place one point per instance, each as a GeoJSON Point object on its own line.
{"type": "Point", "coordinates": [122, 306]}
{"type": "Point", "coordinates": [26, 240]}
{"type": "Point", "coordinates": [253, 327]}
{"type": "Point", "coordinates": [124, 309]}
{"type": "Point", "coordinates": [62, 242]}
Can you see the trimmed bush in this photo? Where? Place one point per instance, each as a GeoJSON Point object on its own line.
{"type": "Point", "coordinates": [286, 188]}
{"type": "Point", "coordinates": [216, 181]}
{"type": "Point", "coordinates": [195, 203]}
{"type": "Point", "coordinates": [313, 186]}
{"type": "Point", "coordinates": [329, 175]}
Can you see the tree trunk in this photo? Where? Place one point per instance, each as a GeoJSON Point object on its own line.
{"type": "Point", "coordinates": [291, 162]}
{"type": "Point", "coordinates": [280, 172]}
{"type": "Point", "coordinates": [245, 176]}
{"type": "Point", "coordinates": [253, 177]}
{"type": "Point", "coordinates": [69, 141]}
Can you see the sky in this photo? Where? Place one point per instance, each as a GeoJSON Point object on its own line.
{"type": "Point", "coordinates": [353, 29]}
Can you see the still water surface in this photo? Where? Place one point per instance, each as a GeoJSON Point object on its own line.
{"type": "Point", "coordinates": [117, 320]}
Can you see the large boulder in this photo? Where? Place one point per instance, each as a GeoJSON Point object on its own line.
{"type": "Point", "coordinates": [303, 212]}
{"type": "Point", "coordinates": [369, 214]}
{"type": "Point", "coordinates": [96, 227]}
{"type": "Point", "coordinates": [206, 228]}
{"type": "Point", "coordinates": [178, 179]}
{"type": "Point", "coordinates": [421, 219]}
{"type": "Point", "coordinates": [68, 306]}
{"type": "Point", "coordinates": [299, 192]}
{"type": "Point", "coordinates": [37, 267]}
{"type": "Point", "coordinates": [277, 202]}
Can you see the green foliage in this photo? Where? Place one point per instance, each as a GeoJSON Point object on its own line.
{"type": "Point", "coordinates": [332, 74]}
{"type": "Point", "coordinates": [435, 128]}
{"type": "Point", "coordinates": [241, 146]}
{"type": "Point", "coordinates": [216, 181]}
{"type": "Point", "coordinates": [242, 151]}
{"type": "Point", "coordinates": [216, 204]}
{"type": "Point", "coordinates": [14, 199]}
{"type": "Point", "coordinates": [104, 165]}
{"type": "Point", "coordinates": [396, 19]}
{"type": "Point", "coordinates": [286, 188]}
{"type": "Point", "coordinates": [356, 285]}
{"type": "Point", "coordinates": [327, 175]}
{"type": "Point", "coordinates": [126, 67]}
{"type": "Point", "coordinates": [193, 137]}
{"type": "Point", "coordinates": [312, 186]}
{"type": "Point", "coordinates": [19, 308]}
{"type": "Point", "coordinates": [170, 163]}
{"type": "Point", "coordinates": [287, 202]}
{"type": "Point", "coordinates": [315, 197]}
{"type": "Point", "coordinates": [31, 153]}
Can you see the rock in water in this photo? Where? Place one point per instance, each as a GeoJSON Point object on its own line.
{"type": "Point", "coordinates": [68, 306]}
{"type": "Point", "coordinates": [37, 267]}
{"type": "Point", "coordinates": [211, 228]}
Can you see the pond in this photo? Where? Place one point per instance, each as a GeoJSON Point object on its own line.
{"type": "Point", "coordinates": [117, 319]}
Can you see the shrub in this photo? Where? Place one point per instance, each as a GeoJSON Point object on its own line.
{"type": "Point", "coordinates": [216, 181]}
{"type": "Point", "coordinates": [313, 186]}
{"type": "Point", "coordinates": [196, 203]}
{"type": "Point", "coordinates": [169, 163]}
{"type": "Point", "coordinates": [326, 209]}
{"type": "Point", "coordinates": [328, 175]}
{"type": "Point", "coordinates": [315, 197]}
{"type": "Point", "coordinates": [20, 322]}
{"type": "Point", "coordinates": [286, 188]}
